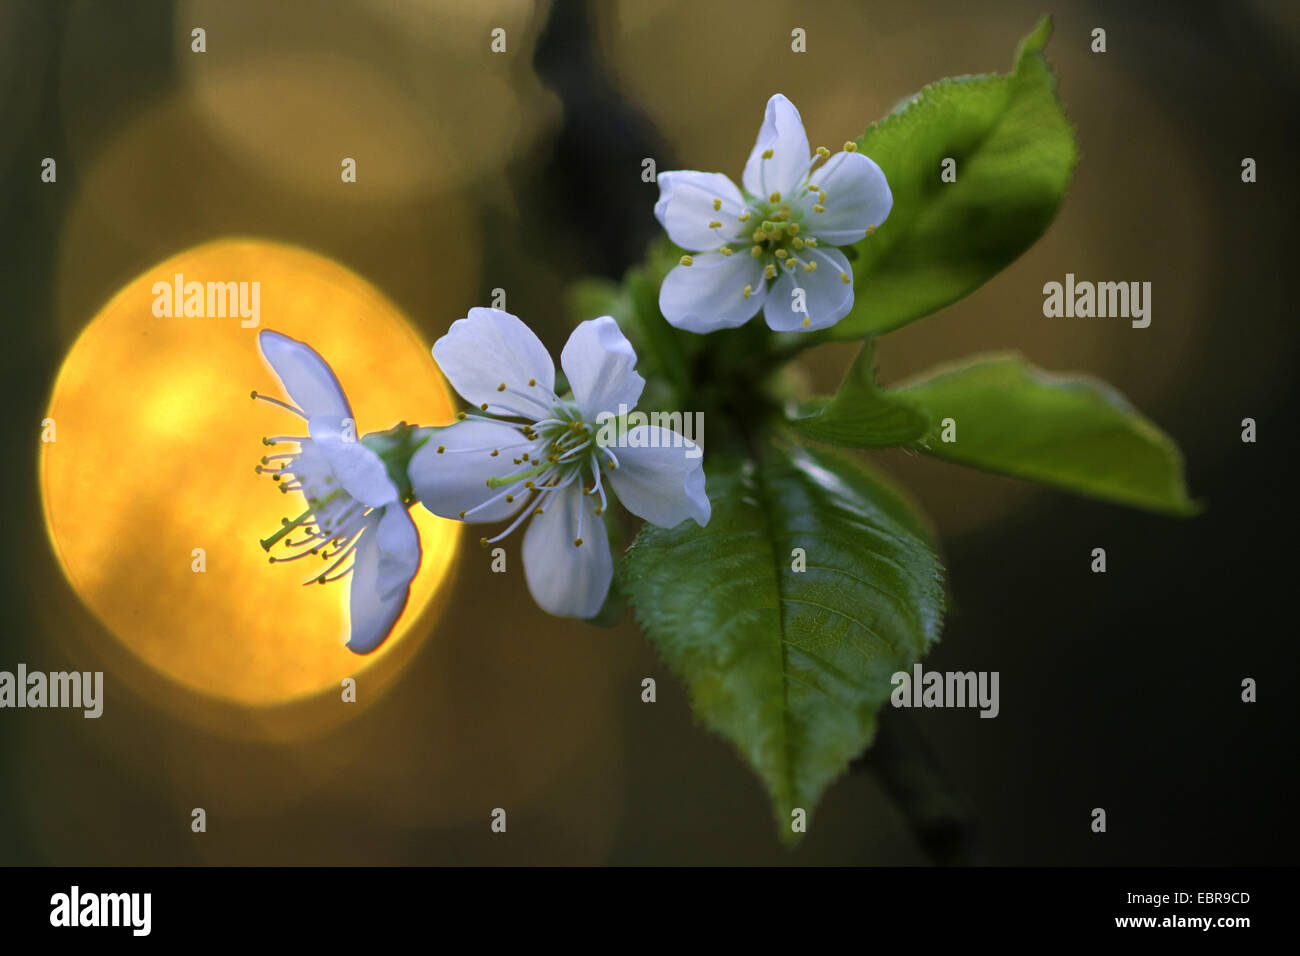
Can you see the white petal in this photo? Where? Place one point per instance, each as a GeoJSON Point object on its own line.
{"type": "Point", "coordinates": [455, 479]}
{"type": "Point", "coordinates": [827, 297]}
{"type": "Point", "coordinates": [782, 132]}
{"type": "Point", "coordinates": [857, 196]}
{"type": "Point", "coordinates": [600, 364]}
{"type": "Point", "coordinates": [685, 209]}
{"type": "Point", "coordinates": [387, 557]}
{"type": "Point", "coordinates": [358, 469]}
{"type": "Point", "coordinates": [306, 376]}
{"type": "Point", "coordinates": [565, 580]}
{"type": "Point", "coordinates": [488, 348]}
{"type": "Point", "coordinates": [709, 294]}
{"type": "Point", "coordinates": [660, 477]}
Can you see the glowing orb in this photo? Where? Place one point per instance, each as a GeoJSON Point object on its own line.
{"type": "Point", "coordinates": [155, 443]}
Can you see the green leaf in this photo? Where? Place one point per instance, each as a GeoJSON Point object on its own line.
{"type": "Point", "coordinates": [789, 666]}
{"type": "Point", "coordinates": [1015, 153]}
{"type": "Point", "coordinates": [863, 415]}
{"type": "Point", "coordinates": [1071, 431]}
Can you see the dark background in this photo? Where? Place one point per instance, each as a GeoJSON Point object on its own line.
{"type": "Point", "coordinates": [1119, 691]}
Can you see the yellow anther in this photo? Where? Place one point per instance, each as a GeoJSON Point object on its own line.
{"type": "Point", "coordinates": [813, 189]}
{"type": "Point", "coordinates": [686, 260]}
{"type": "Point", "coordinates": [482, 542]}
{"type": "Point", "coordinates": [811, 241]}
{"type": "Point", "coordinates": [717, 204]}
{"type": "Point", "coordinates": [781, 253]}
{"type": "Point", "coordinates": [744, 216]}
{"type": "Point", "coordinates": [850, 146]}
{"type": "Point", "coordinates": [501, 387]}
{"type": "Point", "coordinates": [749, 289]}
{"type": "Point", "coordinates": [810, 267]}
{"type": "Point", "coordinates": [599, 509]}
{"type": "Point", "coordinates": [483, 406]}
{"type": "Point", "coordinates": [577, 542]}
{"type": "Point", "coordinates": [870, 230]}
{"type": "Point", "coordinates": [460, 416]}
{"type": "Point", "coordinates": [793, 229]}
{"type": "Point", "coordinates": [821, 196]}
{"type": "Point", "coordinates": [767, 154]}
{"type": "Point", "coordinates": [510, 499]}
{"type": "Point", "coordinates": [441, 449]}
{"type": "Point", "coordinates": [823, 152]}
{"type": "Point", "coordinates": [725, 250]}
{"type": "Point", "coordinates": [806, 321]}
{"type": "Point", "coordinates": [537, 511]}
{"type": "Point", "coordinates": [462, 514]}
{"type": "Point", "coordinates": [797, 242]}
{"type": "Point", "coordinates": [532, 382]}
{"type": "Point", "coordinates": [844, 277]}
{"type": "Point", "coordinates": [819, 208]}
{"type": "Point", "coordinates": [755, 251]}
{"type": "Point", "coordinates": [775, 197]}
{"type": "Point", "coordinates": [769, 270]}
{"type": "Point", "coordinates": [495, 452]}
{"type": "Point", "coordinates": [714, 224]}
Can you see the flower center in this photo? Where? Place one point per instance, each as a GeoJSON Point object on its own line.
{"type": "Point", "coordinates": [553, 454]}
{"type": "Point", "coordinates": [333, 521]}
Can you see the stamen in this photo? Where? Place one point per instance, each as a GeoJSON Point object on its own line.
{"type": "Point", "coordinates": [850, 146]}
{"type": "Point", "coordinates": [717, 204]}
{"type": "Point", "coordinates": [686, 261]}
{"type": "Point", "coordinates": [519, 519]}
{"type": "Point", "coordinates": [285, 527]}
{"type": "Point", "coordinates": [275, 401]}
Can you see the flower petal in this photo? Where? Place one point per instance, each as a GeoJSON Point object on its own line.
{"type": "Point", "coordinates": [827, 298]}
{"type": "Point", "coordinates": [857, 196]}
{"type": "Point", "coordinates": [600, 363]}
{"type": "Point", "coordinates": [686, 207]}
{"type": "Point", "coordinates": [306, 377]}
{"type": "Point", "coordinates": [782, 132]}
{"type": "Point", "coordinates": [709, 294]}
{"type": "Point", "coordinates": [660, 477]}
{"type": "Point", "coordinates": [455, 479]}
{"type": "Point", "coordinates": [387, 557]}
{"type": "Point", "coordinates": [565, 580]}
{"type": "Point", "coordinates": [358, 469]}
{"type": "Point", "coordinates": [488, 348]}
